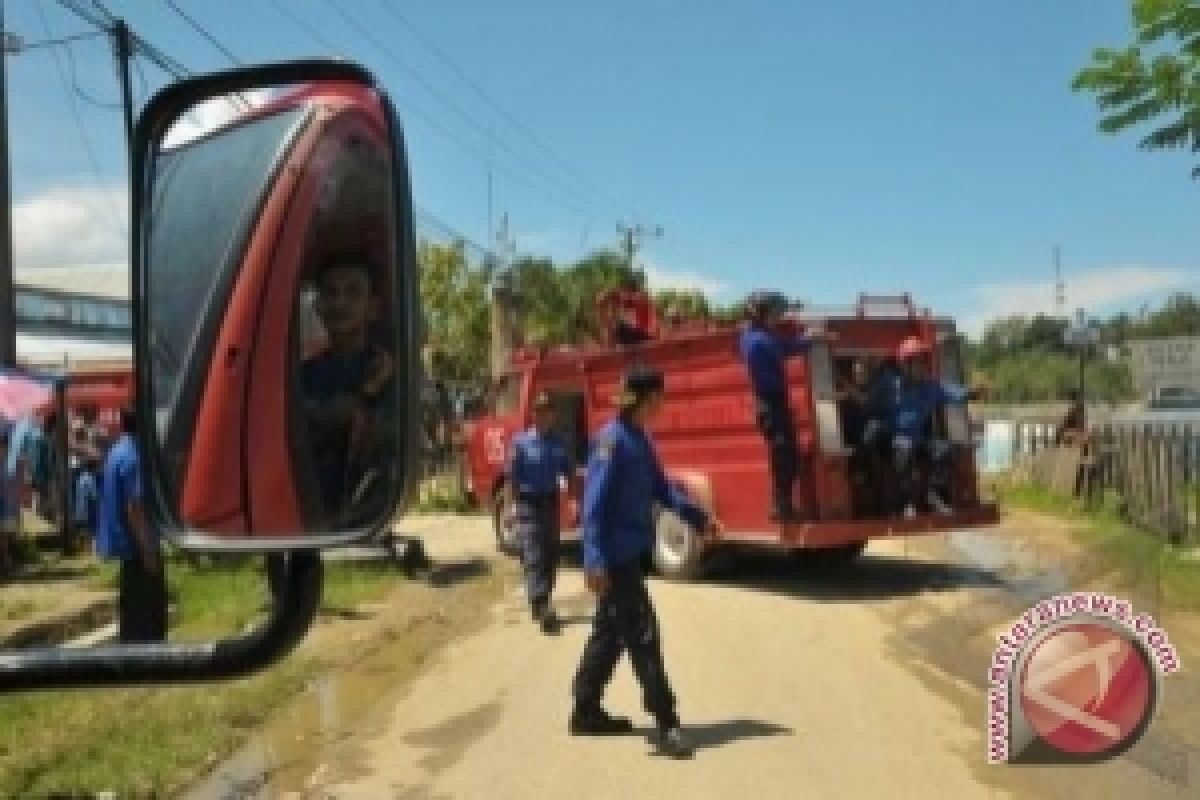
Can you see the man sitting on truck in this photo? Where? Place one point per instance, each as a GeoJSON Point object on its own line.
{"type": "Point", "coordinates": [629, 313]}
{"type": "Point", "coordinates": [765, 351]}
{"type": "Point", "coordinates": [918, 399]}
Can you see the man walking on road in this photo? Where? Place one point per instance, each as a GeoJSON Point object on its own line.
{"type": "Point", "coordinates": [538, 467]}
{"type": "Point", "coordinates": [624, 481]}
{"type": "Point", "coordinates": [125, 534]}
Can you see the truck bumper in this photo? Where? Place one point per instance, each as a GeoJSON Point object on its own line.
{"type": "Point", "coordinates": [832, 533]}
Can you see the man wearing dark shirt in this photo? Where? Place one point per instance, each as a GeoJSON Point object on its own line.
{"type": "Point", "coordinates": [348, 386]}
{"type": "Point", "coordinates": [765, 352]}
{"type": "Point", "coordinates": [623, 485]}
{"type": "Point", "coordinates": [124, 534]}
{"type": "Point", "coordinates": [538, 469]}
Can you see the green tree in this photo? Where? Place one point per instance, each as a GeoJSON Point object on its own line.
{"type": "Point", "coordinates": [690, 302]}
{"type": "Point", "coordinates": [454, 298]}
{"type": "Point", "coordinates": [1155, 80]}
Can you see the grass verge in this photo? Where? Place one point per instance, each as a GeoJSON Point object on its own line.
{"type": "Point", "coordinates": [1143, 558]}
{"type": "Point", "coordinates": [152, 742]}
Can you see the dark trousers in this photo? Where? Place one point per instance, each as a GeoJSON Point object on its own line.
{"type": "Point", "coordinates": [626, 335]}
{"type": "Point", "coordinates": [537, 518]}
{"type": "Point", "coordinates": [142, 605]}
{"type": "Point", "coordinates": [625, 622]}
{"type": "Point", "coordinates": [912, 457]}
{"type": "Point", "coordinates": [774, 419]}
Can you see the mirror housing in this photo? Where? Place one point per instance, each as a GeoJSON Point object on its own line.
{"type": "Point", "coordinates": [247, 187]}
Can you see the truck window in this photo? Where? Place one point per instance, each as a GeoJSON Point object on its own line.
{"type": "Point", "coordinates": [209, 189]}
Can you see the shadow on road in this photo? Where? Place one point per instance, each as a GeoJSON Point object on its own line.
{"type": "Point", "coordinates": [448, 573]}
{"type": "Point", "coordinates": [707, 735]}
{"type": "Point", "coordinates": [871, 577]}
{"type": "Point", "coordinates": [574, 619]}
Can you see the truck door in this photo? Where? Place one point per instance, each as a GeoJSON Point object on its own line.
{"type": "Point", "coordinates": [828, 481]}
{"type": "Point", "coordinates": [956, 421]}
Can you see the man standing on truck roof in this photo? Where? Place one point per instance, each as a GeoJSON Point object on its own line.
{"type": "Point", "coordinates": [918, 398]}
{"type": "Point", "coordinates": [765, 351]}
{"type": "Point", "coordinates": [624, 482]}
{"type": "Point", "coordinates": [538, 469]}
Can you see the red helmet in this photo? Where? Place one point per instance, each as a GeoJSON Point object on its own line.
{"type": "Point", "coordinates": [911, 348]}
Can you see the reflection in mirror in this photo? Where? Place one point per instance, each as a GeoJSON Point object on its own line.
{"type": "Point", "coordinates": [270, 261]}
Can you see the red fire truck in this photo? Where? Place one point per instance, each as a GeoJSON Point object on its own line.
{"type": "Point", "coordinates": [707, 438]}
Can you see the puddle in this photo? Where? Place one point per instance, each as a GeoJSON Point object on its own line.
{"type": "Point", "coordinates": [289, 748]}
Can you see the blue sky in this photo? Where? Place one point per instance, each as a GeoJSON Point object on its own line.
{"type": "Point", "coordinates": [822, 148]}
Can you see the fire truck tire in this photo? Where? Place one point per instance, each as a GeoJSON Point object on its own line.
{"type": "Point", "coordinates": [678, 554]}
{"type": "Point", "coordinates": [506, 533]}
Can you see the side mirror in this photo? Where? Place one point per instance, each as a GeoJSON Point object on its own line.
{"type": "Point", "coordinates": [275, 310]}
{"type": "Point", "coordinates": [276, 332]}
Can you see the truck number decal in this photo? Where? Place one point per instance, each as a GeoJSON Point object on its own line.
{"type": "Point", "coordinates": [493, 445]}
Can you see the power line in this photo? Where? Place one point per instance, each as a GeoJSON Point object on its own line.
{"type": "Point", "coordinates": [540, 144]}
{"type": "Point", "coordinates": [571, 194]}
{"type": "Point", "coordinates": [410, 107]}
{"type": "Point", "coordinates": [179, 70]}
{"type": "Point", "coordinates": [200, 29]}
{"type": "Point", "coordinates": [66, 48]}
{"type": "Point", "coordinates": [89, 152]}
{"type": "Point", "coordinates": [43, 43]}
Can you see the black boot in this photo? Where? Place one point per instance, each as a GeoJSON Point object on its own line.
{"type": "Point", "coordinates": [783, 512]}
{"type": "Point", "coordinates": [671, 741]}
{"type": "Point", "coordinates": [598, 722]}
{"type": "Point", "coordinates": [550, 622]}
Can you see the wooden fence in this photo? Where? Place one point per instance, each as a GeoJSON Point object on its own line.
{"type": "Point", "coordinates": [1151, 465]}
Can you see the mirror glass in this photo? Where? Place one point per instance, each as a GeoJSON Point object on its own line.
{"type": "Point", "coordinates": [272, 279]}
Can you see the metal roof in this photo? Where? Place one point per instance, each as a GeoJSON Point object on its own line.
{"type": "Point", "coordinates": [107, 281]}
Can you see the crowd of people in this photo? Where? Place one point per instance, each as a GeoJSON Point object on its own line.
{"type": "Point", "coordinates": [32, 475]}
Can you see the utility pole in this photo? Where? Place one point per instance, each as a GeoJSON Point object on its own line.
{"type": "Point", "coordinates": [8, 312]}
{"type": "Point", "coordinates": [632, 237]}
{"type": "Point", "coordinates": [123, 47]}
{"type": "Point", "coordinates": [504, 300]}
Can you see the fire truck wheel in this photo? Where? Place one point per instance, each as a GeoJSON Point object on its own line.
{"type": "Point", "coordinates": [677, 551]}
{"type": "Point", "coordinates": [502, 524]}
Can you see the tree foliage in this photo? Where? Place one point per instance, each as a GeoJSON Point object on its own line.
{"type": "Point", "coordinates": [1026, 360]}
{"type": "Point", "coordinates": [1156, 79]}
{"type": "Point", "coordinates": [454, 298]}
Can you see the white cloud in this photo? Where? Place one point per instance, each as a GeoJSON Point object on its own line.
{"type": "Point", "coordinates": [659, 277]}
{"type": "Point", "coordinates": [70, 226]}
{"type": "Point", "coordinates": [1097, 291]}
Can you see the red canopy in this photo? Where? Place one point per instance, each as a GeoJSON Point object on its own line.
{"type": "Point", "coordinates": [21, 395]}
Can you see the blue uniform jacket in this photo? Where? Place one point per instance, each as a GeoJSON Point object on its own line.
{"type": "Point", "coordinates": [536, 462]}
{"type": "Point", "coordinates": [121, 485]}
{"type": "Point", "coordinates": [916, 403]}
{"type": "Point", "coordinates": [764, 352]}
{"type": "Point", "coordinates": [624, 481]}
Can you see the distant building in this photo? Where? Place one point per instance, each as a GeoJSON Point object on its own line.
{"type": "Point", "coordinates": [1166, 371]}
{"type": "Point", "coordinates": [74, 319]}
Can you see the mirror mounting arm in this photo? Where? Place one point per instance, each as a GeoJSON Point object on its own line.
{"type": "Point", "coordinates": [296, 594]}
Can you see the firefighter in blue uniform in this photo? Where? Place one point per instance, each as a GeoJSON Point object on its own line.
{"type": "Point", "coordinates": [765, 351]}
{"type": "Point", "coordinates": [538, 468]}
{"type": "Point", "coordinates": [624, 482]}
{"type": "Point", "coordinates": [918, 398]}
